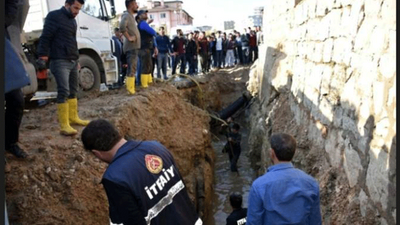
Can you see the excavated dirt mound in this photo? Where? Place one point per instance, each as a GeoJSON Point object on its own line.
{"type": "Point", "coordinates": [60, 182]}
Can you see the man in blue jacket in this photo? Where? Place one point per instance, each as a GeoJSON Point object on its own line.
{"type": "Point", "coordinates": [284, 195]}
{"type": "Point", "coordinates": [164, 48]}
{"type": "Point", "coordinates": [142, 181]}
{"type": "Point", "coordinates": [148, 44]}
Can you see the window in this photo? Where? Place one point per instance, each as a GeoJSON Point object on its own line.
{"type": "Point", "coordinates": [92, 8]}
{"type": "Point", "coordinates": [151, 16]}
{"type": "Point", "coordinates": [162, 15]}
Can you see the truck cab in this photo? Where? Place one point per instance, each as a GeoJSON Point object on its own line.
{"type": "Point", "coordinates": [94, 37]}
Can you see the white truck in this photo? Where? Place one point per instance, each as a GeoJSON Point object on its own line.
{"type": "Point", "coordinates": [94, 37]}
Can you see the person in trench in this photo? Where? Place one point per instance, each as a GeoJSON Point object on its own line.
{"type": "Point", "coordinates": [232, 147]}
{"type": "Point", "coordinates": [142, 181]}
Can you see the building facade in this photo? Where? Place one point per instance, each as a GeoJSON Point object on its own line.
{"type": "Point", "coordinates": [167, 14]}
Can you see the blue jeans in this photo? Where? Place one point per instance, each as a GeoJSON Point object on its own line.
{"type": "Point", "coordinates": [246, 55]}
{"type": "Point", "coordinates": [162, 65]}
{"type": "Point", "coordinates": [180, 58]}
{"type": "Point", "coordinates": [66, 74]}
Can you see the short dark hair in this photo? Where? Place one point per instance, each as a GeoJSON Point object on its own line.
{"type": "Point", "coordinates": [100, 135]}
{"type": "Point", "coordinates": [71, 2]}
{"type": "Point", "coordinates": [161, 28]}
{"type": "Point", "coordinates": [236, 126]}
{"type": "Point", "coordinates": [236, 200]}
{"type": "Point", "coordinates": [116, 29]}
{"type": "Point", "coordinates": [127, 2]}
{"type": "Point", "coordinates": [284, 146]}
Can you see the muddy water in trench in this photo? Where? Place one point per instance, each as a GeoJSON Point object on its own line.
{"type": "Point", "coordinates": [227, 182]}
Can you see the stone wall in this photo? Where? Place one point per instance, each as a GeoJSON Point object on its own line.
{"type": "Point", "coordinates": [331, 65]}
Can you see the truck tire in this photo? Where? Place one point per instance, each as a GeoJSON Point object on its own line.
{"type": "Point", "coordinates": [89, 74]}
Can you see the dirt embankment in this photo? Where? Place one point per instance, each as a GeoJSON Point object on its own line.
{"type": "Point", "coordinates": [60, 182]}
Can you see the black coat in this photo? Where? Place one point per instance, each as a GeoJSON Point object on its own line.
{"type": "Point", "coordinates": [238, 216]}
{"type": "Point", "coordinates": [58, 39]}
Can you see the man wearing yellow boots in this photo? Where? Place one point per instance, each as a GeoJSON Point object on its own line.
{"type": "Point", "coordinates": [147, 35]}
{"type": "Point", "coordinates": [58, 45]}
{"type": "Point", "coordinates": [131, 46]}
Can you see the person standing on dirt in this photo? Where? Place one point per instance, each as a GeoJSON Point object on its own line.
{"type": "Point", "coordinates": [284, 195]}
{"type": "Point", "coordinates": [15, 77]}
{"type": "Point", "coordinates": [191, 54]}
{"type": "Point", "coordinates": [118, 52]}
{"type": "Point", "coordinates": [204, 49]}
{"type": "Point", "coordinates": [142, 182]}
{"type": "Point", "coordinates": [60, 30]}
{"type": "Point", "coordinates": [164, 49]}
{"type": "Point", "coordinates": [178, 46]}
{"type": "Point", "coordinates": [233, 146]}
{"type": "Point", "coordinates": [148, 45]}
{"type": "Point", "coordinates": [131, 45]}
{"type": "Point", "coordinates": [239, 214]}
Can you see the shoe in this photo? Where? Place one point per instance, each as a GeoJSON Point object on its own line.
{"type": "Point", "coordinates": [17, 151]}
{"type": "Point", "coordinates": [73, 113]}
{"type": "Point", "coordinates": [150, 79]}
{"type": "Point", "coordinates": [63, 119]}
{"type": "Point", "coordinates": [144, 79]}
{"type": "Point", "coordinates": [130, 85]}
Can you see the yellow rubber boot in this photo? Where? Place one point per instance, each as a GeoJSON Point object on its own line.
{"type": "Point", "coordinates": [150, 79]}
{"type": "Point", "coordinates": [65, 128]}
{"type": "Point", "coordinates": [144, 80]}
{"type": "Point", "coordinates": [130, 85]}
{"type": "Point", "coordinates": [73, 113]}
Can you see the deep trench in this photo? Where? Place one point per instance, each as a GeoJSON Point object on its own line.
{"type": "Point", "coordinates": [225, 181]}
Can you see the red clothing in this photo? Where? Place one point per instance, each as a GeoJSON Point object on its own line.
{"type": "Point", "coordinates": [203, 45]}
{"type": "Point", "coordinates": [253, 41]}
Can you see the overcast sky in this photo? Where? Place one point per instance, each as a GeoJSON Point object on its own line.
{"type": "Point", "coordinates": [210, 12]}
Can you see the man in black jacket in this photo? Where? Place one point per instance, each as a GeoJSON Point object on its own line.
{"type": "Point", "coordinates": [239, 214]}
{"type": "Point", "coordinates": [191, 54]}
{"type": "Point", "coordinates": [58, 45]}
{"type": "Point", "coordinates": [142, 181]}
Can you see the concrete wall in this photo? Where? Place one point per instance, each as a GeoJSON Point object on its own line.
{"type": "Point", "coordinates": [335, 63]}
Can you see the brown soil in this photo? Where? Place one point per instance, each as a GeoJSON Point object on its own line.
{"type": "Point", "coordinates": [59, 183]}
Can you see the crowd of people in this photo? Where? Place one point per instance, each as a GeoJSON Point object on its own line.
{"type": "Point", "coordinates": [193, 53]}
{"type": "Point", "coordinates": [142, 182]}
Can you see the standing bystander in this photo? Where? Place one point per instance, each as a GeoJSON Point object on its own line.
{"type": "Point", "coordinates": [131, 45]}
{"type": "Point", "coordinates": [60, 30]}
{"type": "Point", "coordinates": [164, 48]}
{"type": "Point", "coordinates": [284, 195]}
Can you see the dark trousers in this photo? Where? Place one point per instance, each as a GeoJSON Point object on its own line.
{"type": "Point", "coordinates": [233, 158]}
{"type": "Point", "coordinates": [13, 116]}
{"type": "Point", "coordinates": [180, 58]}
{"type": "Point", "coordinates": [192, 63]}
{"type": "Point", "coordinates": [220, 58]}
{"type": "Point", "coordinates": [146, 61]}
{"type": "Point", "coordinates": [215, 59]}
{"type": "Point", "coordinates": [240, 55]}
{"type": "Point", "coordinates": [253, 55]}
